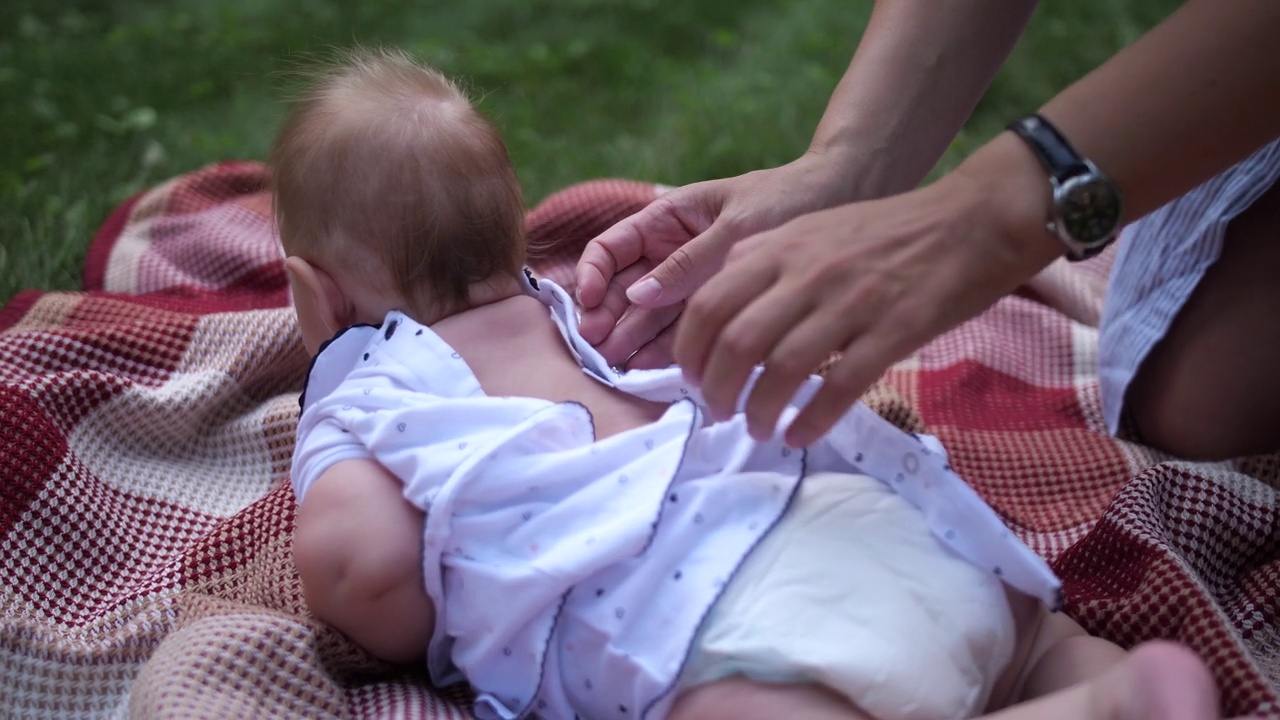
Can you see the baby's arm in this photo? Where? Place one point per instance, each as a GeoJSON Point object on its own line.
{"type": "Point", "coordinates": [358, 548]}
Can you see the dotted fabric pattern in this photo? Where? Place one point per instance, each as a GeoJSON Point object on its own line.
{"type": "Point", "coordinates": [146, 515]}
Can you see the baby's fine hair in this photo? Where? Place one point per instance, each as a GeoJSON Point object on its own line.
{"type": "Point", "coordinates": [383, 166]}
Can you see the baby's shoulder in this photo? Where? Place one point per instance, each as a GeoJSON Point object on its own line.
{"type": "Point", "coordinates": [334, 362]}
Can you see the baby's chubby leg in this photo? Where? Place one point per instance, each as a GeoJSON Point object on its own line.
{"type": "Point", "coordinates": [1158, 680]}
{"type": "Point", "coordinates": [1053, 652]}
{"type": "Point", "coordinates": [737, 698]}
{"type": "Point", "coordinates": [894, 564]}
{"type": "Point", "coordinates": [358, 548]}
{"type": "Point", "coordinates": [1065, 655]}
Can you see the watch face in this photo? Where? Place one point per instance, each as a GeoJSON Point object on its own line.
{"type": "Point", "coordinates": [1090, 209]}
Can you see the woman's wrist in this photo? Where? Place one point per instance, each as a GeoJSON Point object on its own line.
{"type": "Point", "coordinates": [1016, 195]}
{"type": "Point", "coordinates": [862, 170]}
{"type": "Point", "coordinates": [837, 169]}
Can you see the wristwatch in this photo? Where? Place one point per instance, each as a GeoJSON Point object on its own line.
{"type": "Point", "coordinates": [1086, 203]}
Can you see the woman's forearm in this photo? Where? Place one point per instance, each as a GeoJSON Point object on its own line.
{"type": "Point", "coordinates": [919, 71]}
{"type": "Point", "coordinates": [1190, 98]}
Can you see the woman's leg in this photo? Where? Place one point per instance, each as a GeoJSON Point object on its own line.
{"type": "Point", "coordinates": [1210, 389]}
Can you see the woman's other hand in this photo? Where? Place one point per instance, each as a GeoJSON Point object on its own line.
{"type": "Point", "coordinates": [634, 278]}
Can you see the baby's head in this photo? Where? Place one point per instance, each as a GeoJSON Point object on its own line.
{"type": "Point", "coordinates": [392, 193]}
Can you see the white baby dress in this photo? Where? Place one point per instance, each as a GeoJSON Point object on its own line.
{"type": "Point", "coordinates": [570, 575]}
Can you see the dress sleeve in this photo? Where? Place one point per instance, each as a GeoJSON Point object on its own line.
{"type": "Point", "coordinates": [324, 438]}
{"type": "Point", "coordinates": [322, 443]}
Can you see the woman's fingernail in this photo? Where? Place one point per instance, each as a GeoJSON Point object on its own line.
{"type": "Point", "coordinates": [797, 438]}
{"type": "Point", "coordinates": [647, 290]}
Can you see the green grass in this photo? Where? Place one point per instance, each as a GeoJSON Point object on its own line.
{"type": "Point", "coordinates": [102, 98]}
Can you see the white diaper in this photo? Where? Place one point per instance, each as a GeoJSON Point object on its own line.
{"type": "Point", "coordinates": [852, 591]}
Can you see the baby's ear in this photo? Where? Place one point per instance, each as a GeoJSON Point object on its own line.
{"type": "Point", "coordinates": [319, 302]}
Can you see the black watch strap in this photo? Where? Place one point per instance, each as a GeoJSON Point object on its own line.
{"type": "Point", "coordinates": [1051, 148]}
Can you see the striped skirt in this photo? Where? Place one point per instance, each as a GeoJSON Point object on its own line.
{"type": "Point", "coordinates": [1161, 259]}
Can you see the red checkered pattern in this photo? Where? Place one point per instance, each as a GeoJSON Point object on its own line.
{"type": "Point", "coordinates": [146, 516]}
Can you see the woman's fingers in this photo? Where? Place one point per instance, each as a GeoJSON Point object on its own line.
{"type": "Point", "coordinates": [635, 331]}
{"type": "Point", "coordinates": [711, 309]}
{"type": "Point", "coordinates": [793, 361]}
{"type": "Point", "coordinates": [744, 343]}
{"type": "Point", "coordinates": [596, 323]}
{"type": "Point", "coordinates": [651, 233]}
{"type": "Point", "coordinates": [859, 366]}
{"type": "Point", "coordinates": [657, 353]}
{"type": "Point", "coordinates": [684, 269]}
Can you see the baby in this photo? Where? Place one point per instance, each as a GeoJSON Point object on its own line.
{"type": "Point", "coordinates": [478, 487]}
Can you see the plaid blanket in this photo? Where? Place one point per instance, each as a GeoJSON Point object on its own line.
{"type": "Point", "coordinates": [147, 426]}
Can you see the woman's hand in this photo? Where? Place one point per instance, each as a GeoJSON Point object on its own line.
{"type": "Point", "coordinates": [633, 279]}
{"type": "Point", "coordinates": [891, 116]}
{"type": "Point", "coordinates": [874, 280]}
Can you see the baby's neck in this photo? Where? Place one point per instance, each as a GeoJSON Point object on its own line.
{"type": "Point", "coordinates": [487, 293]}
{"type": "Point", "coordinates": [501, 319]}
{"type": "Point", "coordinates": [500, 316]}
{"type": "Point", "coordinates": [494, 290]}
{"type": "Point", "coordinates": [512, 346]}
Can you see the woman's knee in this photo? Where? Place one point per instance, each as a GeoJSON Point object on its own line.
{"type": "Point", "coordinates": [1209, 389]}
{"type": "Point", "coordinates": [1184, 403]}
{"type": "Point", "coordinates": [1172, 419]}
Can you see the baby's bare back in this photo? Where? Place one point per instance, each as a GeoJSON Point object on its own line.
{"type": "Point", "coordinates": [514, 348]}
